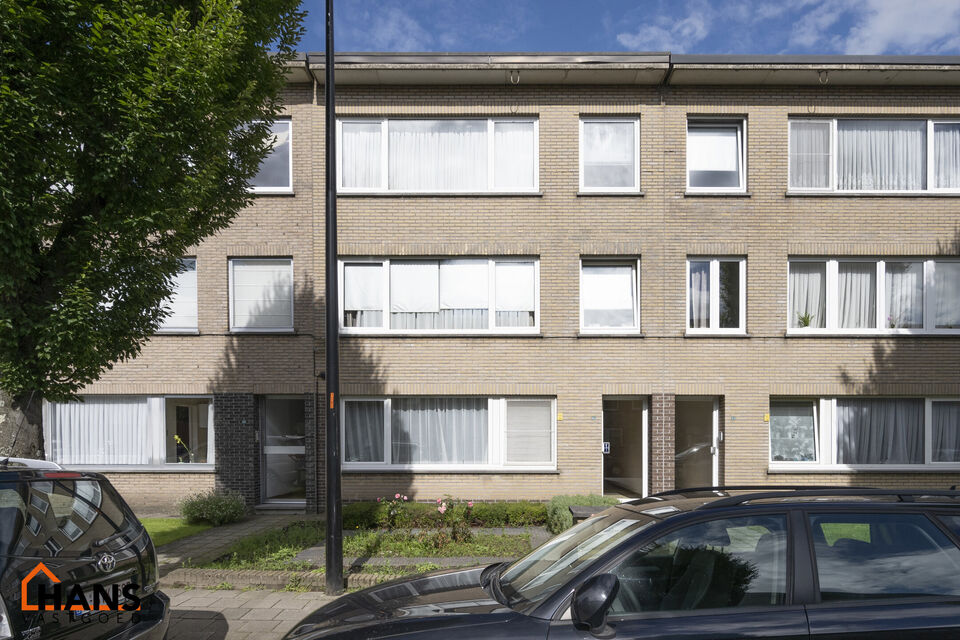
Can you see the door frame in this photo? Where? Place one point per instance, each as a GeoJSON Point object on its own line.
{"type": "Point", "coordinates": [644, 434]}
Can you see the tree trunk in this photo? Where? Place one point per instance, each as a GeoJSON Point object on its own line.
{"type": "Point", "coordinates": [21, 426]}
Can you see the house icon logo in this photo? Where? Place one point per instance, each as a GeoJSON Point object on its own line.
{"type": "Point", "coordinates": [119, 597]}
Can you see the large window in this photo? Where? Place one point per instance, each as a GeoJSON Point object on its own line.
{"type": "Point", "coordinates": [182, 305]}
{"type": "Point", "coordinates": [867, 295]}
{"type": "Point", "coordinates": [716, 156]}
{"type": "Point", "coordinates": [497, 155]}
{"type": "Point", "coordinates": [108, 431]}
{"type": "Point", "coordinates": [610, 155]}
{"type": "Point", "coordinates": [874, 156]}
{"type": "Point", "coordinates": [864, 433]}
{"type": "Point", "coordinates": [275, 174]}
{"type": "Point", "coordinates": [457, 295]}
{"type": "Point", "coordinates": [716, 295]}
{"type": "Point", "coordinates": [261, 294]}
{"type": "Point", "coordinates": [455, 433]}
{"type": "Point", "coordinates": [609, 296]}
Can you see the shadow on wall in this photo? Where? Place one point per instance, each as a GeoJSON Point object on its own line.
{"type": "Point", "coordinates": [269, 401]}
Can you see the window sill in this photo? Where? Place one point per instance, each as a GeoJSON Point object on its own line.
{"type": "Point", "coordinates": [874, 468]}
{"type": "Point", "coordinates": [716, 334]}
{"type": "Point", "coordinates": [177, 332]}
{"type": "Point", "coordinates": [453, 470]}
{"type": "Point", "coordinates": [142, 468]}
{"type": "Point", "coordinates": [943, 333]}
{"type": "Point", "coordinates": [440, 194]}
{"type": "Point", "coordinates": [262, 332]}
{"type": "Point", "coordinates": [717, 194]}
{"type": "Point", "coordinates": [273, 192]}
{"type": "Point", "coordinates": [428, 334]}
{"type": "Point", "coordinates": [872, 194]}
{"type": "Point", "coordinates": [604, 194]}
{"type": "Point", "coordinates": [612, 333]}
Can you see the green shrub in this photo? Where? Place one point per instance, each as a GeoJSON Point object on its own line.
{"type": "Point", "coordinates": [526, 514]}
{"type": "Point", "coordinates": [424, 515]}
{"type": "Point", "coordinates": [214, 507]}
{"type": "Point", "coordinates": [558, 511]}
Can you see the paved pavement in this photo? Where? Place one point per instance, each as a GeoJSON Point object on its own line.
{"type": "Point", "coordinates": [202, 614]}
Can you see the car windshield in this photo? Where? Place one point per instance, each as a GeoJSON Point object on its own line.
{"type": "Point", "coordinates": [537, 575]}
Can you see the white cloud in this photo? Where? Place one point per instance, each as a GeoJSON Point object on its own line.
{"type": "Point", "coordinates": [901, 26]}
{"type": "Point", "coordinates": [392, 29]}
{"type": "Point", "coordinates": [668, 34]}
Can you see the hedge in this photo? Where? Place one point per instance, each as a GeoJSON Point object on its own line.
{"type": "Point", "coordinates": [559, 517]}
{"type": "Point", "coordinates": [372, 515]}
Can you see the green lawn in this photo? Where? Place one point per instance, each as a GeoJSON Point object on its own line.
{"type": "Point", "coordinates": [164, 530]}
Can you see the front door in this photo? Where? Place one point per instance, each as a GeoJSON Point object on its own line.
{"type": "Point", "coordinates": [624, 446]}
{"type": "Point", "coordinates": [283, 438]}
{"type": "Point", "coordinates": [696, 451]}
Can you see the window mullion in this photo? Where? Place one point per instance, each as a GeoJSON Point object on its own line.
{"type": "Point", "coordinates": [743, 294]}
{"type": "Point", "coordinates": [834, 160]}
{"type": "Point", "coordinates": [490, 154]}
{"type": "Point", "coordinates": [833, 295]}
{"type": "Point", "coordinates": [491, 294]}
{"type": "Point", "coordinates": [387, 432]}
{"type": "Point", "coordinates": [385, 323]}
{"type": "Point", "coordinates": [930, 156]}
{"type": "Point", "coordinates": [742, 151]}
{"type": "Point", "coordinates": [881, 310]}
{"type": "Point", "coordinates": [930, 294]}
{"type": "Point", "coordinates": [714, 294]}
{"type": "Point", "coordinates": [384, 155]}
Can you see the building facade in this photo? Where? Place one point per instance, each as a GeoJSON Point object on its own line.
{"type": "Point", "coordinates": [568, 274]}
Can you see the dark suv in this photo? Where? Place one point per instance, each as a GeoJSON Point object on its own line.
{"type": "Point", "coordinates": [699, 563]}
{"type": "Point", "coordinates": [75, 563]}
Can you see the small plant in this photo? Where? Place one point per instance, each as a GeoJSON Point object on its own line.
{"type": "Point", "coordinates": [184, 453]}
{"type": "Point", "coordinates": [223, 586]}
{"type": "Point", "coordinates": [804, 319]}
{"type": "Point", "coordinates": [456, 515]}
{"type": "Point", "coordinates": [295, 584]}
{"type": "Point", "coordinates": [395, 515]}
{"type": "Point", "coordinates": [559, 517]}
{"type": "Point", "coordinates": [214, 507]}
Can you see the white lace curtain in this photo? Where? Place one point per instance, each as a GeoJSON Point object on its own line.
{"type": "Point", "coordinates": [947, 283]}
{"type": "Point", "coordinates": [858, 294]}
{"type": "Point", "coordinates": [103, 430]}
{"type": "Point", "coordinates": [449, 294]}
{"type": "Point", "coordinates": [881, 154]}
{"type": "Point", "coordinates": [808, 294]}
{"type": "Point", "coordinates": [699, 295]}
{"type": "Point", "coordinates": [946, 155]}
{"type": "Point", "coordinates": [946, 431]}
{"type": "Point", "coordinates": [437, 155]}
{"type": "Point", "coordinates": [516, 294]}
{"type": "Point", "coordinates": [363, 295]}
{"type": "Point", "coordinates": [363, 431]}
{"type": "Point", "coordinates": [439, 430]}
{"type": "Point", "coordinates": [514, 162]}
{"type": "Point", "coordinates": [880, 431]}
{"type": "Point", "coordinates": [810, 155]}
{"type": "Point", "coordinates": [360, 155]}
{"type": "Point", "coordinates": [904, 294]}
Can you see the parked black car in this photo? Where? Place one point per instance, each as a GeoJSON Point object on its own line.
{"type": "Point", "coordinates": [699, 563]}
{"type": "Point", "coordinates": [75, 563]}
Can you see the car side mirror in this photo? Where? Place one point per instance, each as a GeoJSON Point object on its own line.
{"type": "Point", "coordinates": [592, 601]}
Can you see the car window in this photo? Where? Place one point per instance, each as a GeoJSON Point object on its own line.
{"type": "Point", "coordinates": [56, 517]}
{"type": "Point", "coordinates": [890, 555]}
{"type": "Point", "coordinates": [732, 562]}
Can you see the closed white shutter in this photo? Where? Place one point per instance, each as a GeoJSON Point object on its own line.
{"type": "Point", "coordinates": [363, 287]}
{"type": "Point", "coordinates": [262, 296]}
{"type": "Point", "coordinates": [529, 432]}
{"type": "Point", "coordinates": [414, 287]}
{"type": "Point", "coordinates": [183, 303]}
{"type": "Point", "coordinates": [712, 149]}
{"type": "Point", "coordinates": [608, 296]}
{"type": "Point", "coordinates": [515, 286]}
{"type": "Point", "coordinates": [463, 284]}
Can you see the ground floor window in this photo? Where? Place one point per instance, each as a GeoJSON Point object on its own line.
{"type": "Point", "coordinates": [129, 430]}
{"type": "Point", "coordinates": [864, 432]}
{"type": "Point", "coordinates": [457, 433]}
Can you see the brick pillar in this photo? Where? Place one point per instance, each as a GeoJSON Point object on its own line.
{"type": "Point", "coordinates": [662, 447]}
{"type": "Point", "coordinates": [236, 425]}
{"type": "Point", "coordinates": [314, 498]}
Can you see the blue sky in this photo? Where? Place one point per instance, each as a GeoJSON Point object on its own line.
{"type": "Point", "coordinates": [679, 26]}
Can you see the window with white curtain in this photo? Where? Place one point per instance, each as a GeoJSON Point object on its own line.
{"type": "Point", "coordinates": [716, 155]}
{"type": "Point", "coordinates": [275, 174]}
{"type": "Point", "coordinates": [716, 295]}
{"type": "Point", "coordinates": [497, 155]}
{"type": "Point", "coordinates": [874, 155]}
{"type": "Point", "coordinates": [609, 295]}
{"type": "Point", "coordinates": [850, 433]}
{"type": "Point", "coordinates": [455, 295]}
{"type": "Point", "coordinates": [182, 304]}
{"type": "Point", "coordinates": [871, 296]}
{"type": "Point", "coordinates": [609, 154]}
{"type": "Point", "coordinates": [261, 294]}
{"type": "Point", "coordinates": [115, 430]}
{"type": "Point", "coordinates": [447, 432]}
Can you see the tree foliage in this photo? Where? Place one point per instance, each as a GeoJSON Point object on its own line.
{"type": "Point", "coordinates": [129, 133]}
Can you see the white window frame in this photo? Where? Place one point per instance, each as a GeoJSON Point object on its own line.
{"type": "Point", "coordinates": [714, 328]}
{"type": "Point", "coordinates": [707, 122]}
{"type": "Point", "coordinates": [636, 155]}
{"type": "Point", "coordinates": [288, 188]}
{"type": "Point", "coordinates": [491, 328]}
{"type": "Point", "coordinates": [384, 187]}
{"type": "Point", "coordinates": [834, 179]}
{"type": "Point", "coordinates": [496, 433]}
{"type": "Point", "coordinates": [634, 263]}
{"type": "Point", "coordinates": [832, 298]}
{"type": "Point", "coordinates": [817, 436]}
{"type": "Point", "coordinates": [827, 431]}
{"type": "Point", "coordinates": [196, 328]}
{"type": "Point", "coordinates": [235, 329]}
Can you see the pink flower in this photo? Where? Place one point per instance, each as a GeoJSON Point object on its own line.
{"type": "Point", "coordinates": [397, 496]}
{"type": "Point", "coordinates": [442, 509]}
{"type": "Point", "coordinates": [404, 498]}
{"type": "Point", "coordinates": [470, 504]}
{"type": "Point", "coordinates": [379, 499]}
{"type": "Point", "coordinates": [438, 500]}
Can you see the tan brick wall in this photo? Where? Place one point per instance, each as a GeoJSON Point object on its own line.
{"type": "Point", "coordinates": [662, 226]}
{"type": "Point", "coordinates": [158, 493]}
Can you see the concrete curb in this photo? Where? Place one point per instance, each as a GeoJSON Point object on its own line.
{"type": "Point", "coordinates": [275, 580]}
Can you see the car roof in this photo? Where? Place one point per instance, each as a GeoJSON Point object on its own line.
{"type": "Point", "coordinates": [668, 503]}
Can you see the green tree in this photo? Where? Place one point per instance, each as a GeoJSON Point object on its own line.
{"type": "Point", "coordinates": [130, 130]}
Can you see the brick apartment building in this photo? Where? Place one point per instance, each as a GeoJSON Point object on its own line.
{"type": "Point", "coordinates": [577, 273]}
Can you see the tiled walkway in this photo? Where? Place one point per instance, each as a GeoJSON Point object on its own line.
{"type": "Point", "coordinates": [201, 614]}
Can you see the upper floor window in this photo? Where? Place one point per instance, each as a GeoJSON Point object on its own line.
{"type": "Point", "coordinates": [495, 155]}
{"type": "Point", "coordinates": [867, 295]}
{"type": "Point", "coordinates": [864, 155]}
{"type": "Point", "coordinates": [609, 300]}
{"type": "Point", "coordinates": [609, 155]}
{"type": "Point", "coordinates": [716, 156]}
{"type": "Point", "coordinates": [261, 294]}
{"type": "Point", "coordinates": [182, 304]}
{"type": "Point", "coordinates": [275, 174]}
{"type": "Point", "coordinates": [456, 295]}
{"type": "Point", "coordinates": [716, 295]}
